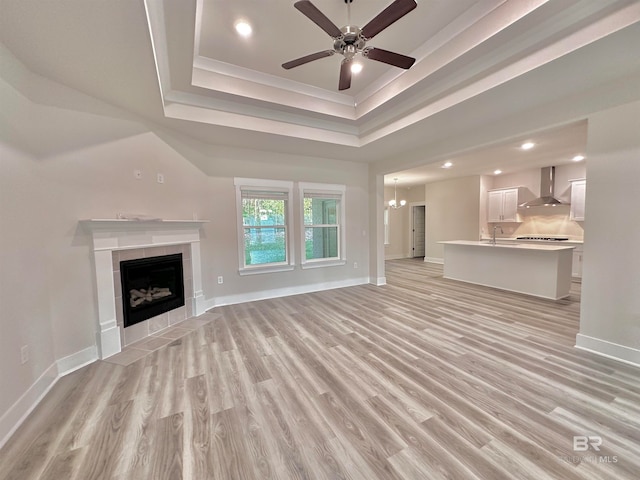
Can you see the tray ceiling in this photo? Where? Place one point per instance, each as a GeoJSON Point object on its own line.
{"type": "Point", "coordinates": [180, 63]}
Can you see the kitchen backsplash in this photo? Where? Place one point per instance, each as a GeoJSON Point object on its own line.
{"type": "Point", "coordinates": [541, 221]}
{"type": "Point", "coordinates": [537, 224]}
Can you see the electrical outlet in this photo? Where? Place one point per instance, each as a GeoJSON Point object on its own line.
{"type": "Point", "coordinates": [220, 280]}
{"type": "Point", "coordinates": [24, 354]}
{"type": "Point", "coordinates": [137, 174]}
{"type": "Point", "coordinates": [355, 264]}
{"type": "Point", "coordinates": [160, 178]}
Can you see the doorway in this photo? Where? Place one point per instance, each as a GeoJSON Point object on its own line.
{"type": "Point", "coordinates": [418, 230]}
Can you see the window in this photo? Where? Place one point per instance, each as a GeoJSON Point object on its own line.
{"type": "Point", "coordinates": [264, 237]}
{"type": "Point", "coordinates": [322, 224]}
{"type": "Point", "coordinates": [386, 226]}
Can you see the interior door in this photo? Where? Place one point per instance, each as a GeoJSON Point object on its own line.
{"type": "Point", "coordinates": [418, 231]}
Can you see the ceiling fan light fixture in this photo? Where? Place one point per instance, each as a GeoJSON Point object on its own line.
{"type": "Point", "coordinates": [351, 39]}
{"type": "Point", "coordinates": [243, 28]}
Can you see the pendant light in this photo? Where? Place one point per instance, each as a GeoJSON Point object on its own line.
{"type": "Point", "coordinates": [394, 203]}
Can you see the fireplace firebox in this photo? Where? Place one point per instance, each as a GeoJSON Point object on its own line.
{"type": "Point", "coordinates": [151, 286]}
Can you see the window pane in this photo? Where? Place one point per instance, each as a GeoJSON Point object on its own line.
{"type": "Point", "coordinates": [265, 245]}
{"type": "Point", "coordinates": [318, 211]}
{"type": "Point", "coordinates": [321, 242]}
{"type": "Point", "coordinates": [261, 211]}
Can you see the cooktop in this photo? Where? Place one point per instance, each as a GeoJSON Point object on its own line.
{"type": "Point", "coordinates": [548, 239]}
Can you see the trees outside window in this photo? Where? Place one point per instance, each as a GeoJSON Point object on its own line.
{"type": "Point", "coordinates": [264, 230]}
{"type": "Point", "coordinates": [322, 224]}
{"type": "Point", "coordinates": [266, 242]}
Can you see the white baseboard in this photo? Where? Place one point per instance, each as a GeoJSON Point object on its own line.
{"type": "Point", "coordinates": [77, 360]}
{"type": "Point", "coordinates": [396, 256]}
{"type": "Point", "coordinates": [208, 304]}
{"type": "Point", "coordinates": [20, 410]}
{"type": "Point", "coordinates": [379, 281]}
{"type": "Point", "coordinates": [607, 349]}
{"type": "Point", "coordinates": [434, 260]}
{"type": "Point", "coordinates": [30, 399]}
{"type": "Point", "coordinates": [285, 292]}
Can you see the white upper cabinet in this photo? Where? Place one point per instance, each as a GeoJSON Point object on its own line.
{"type": "Point", "coordinates": [503, 205]}
{"type": "Point", "coordinates": [578, 191]}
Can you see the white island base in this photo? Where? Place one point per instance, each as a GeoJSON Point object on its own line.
{"type": "Point", "coordinates": [539, 270]}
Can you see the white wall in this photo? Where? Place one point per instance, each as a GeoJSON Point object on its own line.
{"type": "Point", "coordinates": [610, 306]}
{"type": "Point", "coordinates": [66, 157]}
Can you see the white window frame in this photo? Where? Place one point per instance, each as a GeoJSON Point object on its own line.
{"type": "Point", "coordinates": [386, 225]}
{"type": "Point", "coordinates": [320, 189]}
{"type": "Point", "coordinates": [260, 185]}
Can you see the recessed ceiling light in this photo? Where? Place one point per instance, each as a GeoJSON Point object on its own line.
{"type": "Point", "coordinates": [578, 158]}
{"type": "Point", "coordinates": [527, 145]}
{"type": "Point", "coordinates": [243, 28]}
{"type": "Point", "coordinates": [356, 67]}
{"type": "Point", "coordinates": [447, 165]}
{"type": "Point", "coordinates": [497, 172]}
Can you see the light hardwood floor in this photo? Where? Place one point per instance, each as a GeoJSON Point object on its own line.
{"type": "Point", "coordinates": [423, 378]}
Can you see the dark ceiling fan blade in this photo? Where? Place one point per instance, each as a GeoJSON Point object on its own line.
{"type": "Point", "coordinates": [392, 13]}
{"type": "Point", "coordinates": [392, 58]}
{"type": "Point", "coordinates": [306, 59]}
{"type": "Point", "coordinates": [317, 17]}
{"type": "Point", "coordinates": [345, 75]}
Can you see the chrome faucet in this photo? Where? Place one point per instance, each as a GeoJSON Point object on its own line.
{"type": "Point", "coordinates": [494, 233]}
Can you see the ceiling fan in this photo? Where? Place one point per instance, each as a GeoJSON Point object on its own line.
{"type": "Point", "coordinates": [350, 39]}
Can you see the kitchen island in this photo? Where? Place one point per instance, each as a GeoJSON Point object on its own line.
{"type": "Point", "coordinates": [539, 270]}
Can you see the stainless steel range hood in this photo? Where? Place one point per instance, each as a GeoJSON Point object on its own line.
{"type": "Point", "coordinates": [546, 198]}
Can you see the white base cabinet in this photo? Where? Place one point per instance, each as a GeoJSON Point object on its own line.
{"type": "Point", "coordinates": [576, 268]}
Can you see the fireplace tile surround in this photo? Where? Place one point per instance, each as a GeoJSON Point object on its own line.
{"type": "Point", "coordinates": [118, 240]}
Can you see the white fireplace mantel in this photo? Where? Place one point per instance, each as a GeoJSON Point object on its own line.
{"type": "Point", "coordinates": [112, 235]}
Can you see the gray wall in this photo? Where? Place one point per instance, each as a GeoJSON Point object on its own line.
{"type": "Point", "coordinates": [453, 213]}
{"type": "Point", "coordinates": [399, 222]}
{"type": "Point", "coordinates": [610, 307]}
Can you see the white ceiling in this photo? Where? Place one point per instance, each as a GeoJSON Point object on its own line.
{"type": "Point", "coordinates": [282, 33]}
{"type": "Point", "coordinates": [552, 147]}
{"type": "Point", "coordinates": [181, 65]}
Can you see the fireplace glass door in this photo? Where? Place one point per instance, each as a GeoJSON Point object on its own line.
{"type": "Point", "coordinates": [151, 286]}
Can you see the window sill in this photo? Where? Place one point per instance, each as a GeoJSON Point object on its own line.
{"type": "Point", "coordinates": [323, 263]}
{"type": "Point", "coordinates": [266, 269]}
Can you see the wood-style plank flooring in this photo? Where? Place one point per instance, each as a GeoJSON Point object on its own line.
{"type": "Point", "coordinates": [423, 378]}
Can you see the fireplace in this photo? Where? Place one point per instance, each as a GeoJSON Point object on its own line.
{"type": "Point", "coordinates": [118, 241]}
{"type": "Point", "coordinates": [151, 286]}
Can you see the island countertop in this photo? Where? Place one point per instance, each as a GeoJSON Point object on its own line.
{"type": "Point", "coordinates": [510, 245]}
{"type": "Point", "coordinates": [533, 269]}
